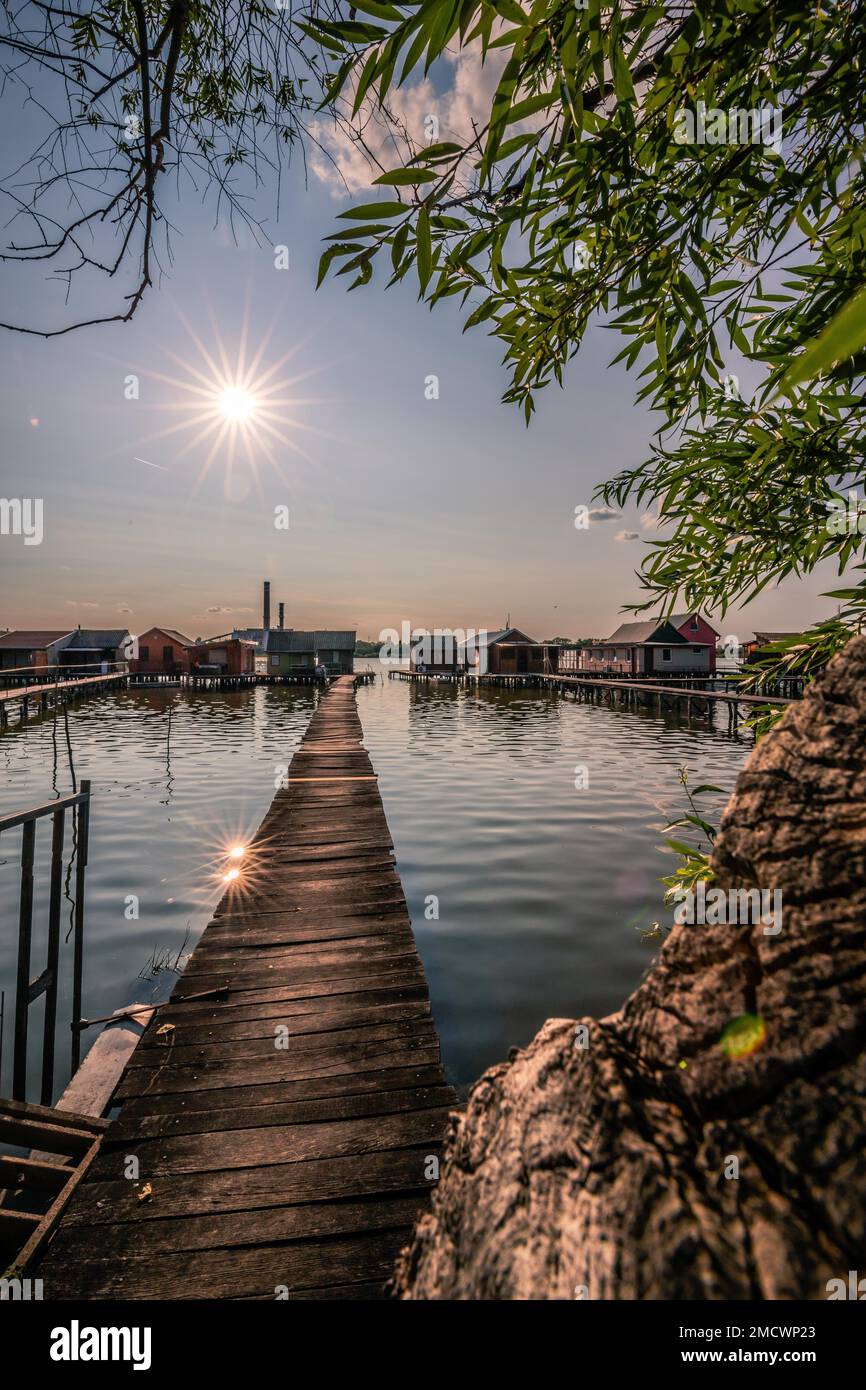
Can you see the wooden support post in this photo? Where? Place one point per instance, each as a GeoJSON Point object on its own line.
{"type": "Point", "coordinates": [22, 984]}
{"type": "Point", "coordinates": [78, 920]}
{"type": "Point", "coordinates": [53, 961]}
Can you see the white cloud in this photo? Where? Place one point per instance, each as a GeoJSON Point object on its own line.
{"type": "Point", "coordinates": [603, 514]}
{"type": "Point", "coordinates": [627, 536]}
{"type": "Point", "coordinates": [651, 521]}
{"type": "Point", "coordinates": [347, 168]}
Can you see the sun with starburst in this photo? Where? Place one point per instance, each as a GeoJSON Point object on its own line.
{"type": "Point", "coordinates": [240, 412]}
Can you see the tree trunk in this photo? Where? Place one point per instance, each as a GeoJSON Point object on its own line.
{"type": "Point", "coordinates": [662, 1160]}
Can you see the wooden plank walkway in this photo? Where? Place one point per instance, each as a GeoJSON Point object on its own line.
{"type": "Point", "coordinates": [263, 1167]}
{"type": "Point", "coordinates": [33, 692]}
{"type": "Point", "coordinates": [564, 681]}
{"type": "Point", "coordinates": [658, 689]}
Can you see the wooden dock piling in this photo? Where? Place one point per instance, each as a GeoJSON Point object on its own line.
{"type": "Point", "coordinates": [695, 699]}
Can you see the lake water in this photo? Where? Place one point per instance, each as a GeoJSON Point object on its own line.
{"type": "Point", "coordinates": [541, 890]}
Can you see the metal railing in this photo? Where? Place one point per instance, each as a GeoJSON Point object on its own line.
{"type": "Point", "coordinates": [27, 991]}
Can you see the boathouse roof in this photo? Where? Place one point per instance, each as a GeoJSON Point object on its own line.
{"type": "Point", "coordinates": [677, 619]}
{"type": "Point", "coordinates": [31, 639]}
{"type": "Point", "coordinates": [502, 634]}
{"type": "Point", "coordinates": [279, 639]}
{"type": "Point", "coordinates": [171, 632]}
{"type": "Point", "coordinates": [651, 634]}
{"type": "Point", "coordinates": [95, 639]}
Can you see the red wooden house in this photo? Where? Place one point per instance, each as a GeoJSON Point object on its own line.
{"type": "Point", "coordinates": [163, 651]}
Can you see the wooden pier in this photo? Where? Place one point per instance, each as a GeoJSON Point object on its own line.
{"type": "Point", "coordinates": [687, 699]}
{"type": "Point", "coordinates": [402, 673]}
{"type": "Point", "coordinates": [281, 1118]}
{"type": "Point", "coordinates": [55, 693]}
{"type": "Point", "coordinates": [663, 694]}
{"type": "Point", "coordinates": [223, 680]}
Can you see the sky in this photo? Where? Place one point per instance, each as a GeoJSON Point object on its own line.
{"type": "Point", "coordinates": [443, 512]}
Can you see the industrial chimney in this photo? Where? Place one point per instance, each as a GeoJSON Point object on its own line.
{"type": "Point", "coordinates": [282, 617]}
{"type": "Point", "coordinates": [266, 612]}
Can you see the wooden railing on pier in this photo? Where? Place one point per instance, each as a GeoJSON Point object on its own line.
{"type": "Point", "coordinates": [224, 680]}
{"type": "Point", "coordinates": [688, 697]}
{"type": "Point", "coordinates": [58, 692]}
{"type": "Point", "coordinates": [28, 990]}
{"type": "Point", "coordinates": [286, 1108]}
{"type": "Point", "coordinates": [661, 690]}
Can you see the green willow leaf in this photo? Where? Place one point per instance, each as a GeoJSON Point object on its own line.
{"type": "Point", "coordinates": [844, 337]}
{"type": "Point", "coordinates": [371, 212]}
{"type": "Point", "coordinates": [400, 177]}
{"type": "Point", "coordinates": [424, 249]}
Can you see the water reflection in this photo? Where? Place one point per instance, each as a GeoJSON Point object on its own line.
{"type": "Point", "coordinates": [177, 777]}
{"type": "Point", "coordinates": [545, 892]}
{"type": "Point", "coordinates": [542, 891]}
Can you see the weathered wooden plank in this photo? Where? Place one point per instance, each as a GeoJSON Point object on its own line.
{"type": "Point", "coordinates": [264, 919]}
{"type": "Point", "coordinates": [341, 930]}
{"type": "Point", "coordinates": [67, 1119]}
{"type": "Point", "coordinates": [266, 1145]}
{"type": "Point", "coordinates": [238, 1273]}
{"type": "Point", "coordinates": [242, 1189]}
{"type": "Point", "coordinates": [148, 1240]}
{"type": "Point", "coordinates": [334, 1042]}
{"type": "Point", "coordinates": [255, 963]}
{"type": "Point", "coordinates": [259, 1071]}
{"type": "Point", "coordinates": [270, 952]}
{"type": "Point", "coordinates": [260, 977]}
{"type": "Point", "coordinates": [241, 1008]}
{"type": "Point", "coordinates": [39, 1134]}
{"type": "Point", "coordinates": [379, 886]}
{"type": "Point", "coordinates": [346, 1084]}
{"type": "Point", "coordinates": [329, 857]}
{"type": "Point", "coordinates": [325, 895]}
{"type": "Point", "coordinates": [224, 1028]}
{"type": "Point", "coordinates": [409, 974]}
{"type": "Point", "coordinates": [337, 1107]}
{"type": "Point", "coordinates": [33, 1173]}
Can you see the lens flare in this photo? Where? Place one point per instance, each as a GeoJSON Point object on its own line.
{"type": "Point", "coordinates": [231, 875]}
{"type": "Point", "coordinates": [743, 1036]}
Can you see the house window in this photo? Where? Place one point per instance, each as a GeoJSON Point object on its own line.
{"type": "Point", "coordinates": [168, 653]}
{"type": "Point", "coordinates": [697, 650]}
{"type": "Point", "coordinates": [694, 625]}
{"type": "Point", "coordinates": [144, 653]}
{"type": "Point", "coordinates": [275, 661]}
{"type": "Point", "coordinates": [666, 653]}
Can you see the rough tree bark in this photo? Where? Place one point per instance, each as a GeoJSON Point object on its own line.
{"type": "Point", "coordinates": [600, 1173]}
